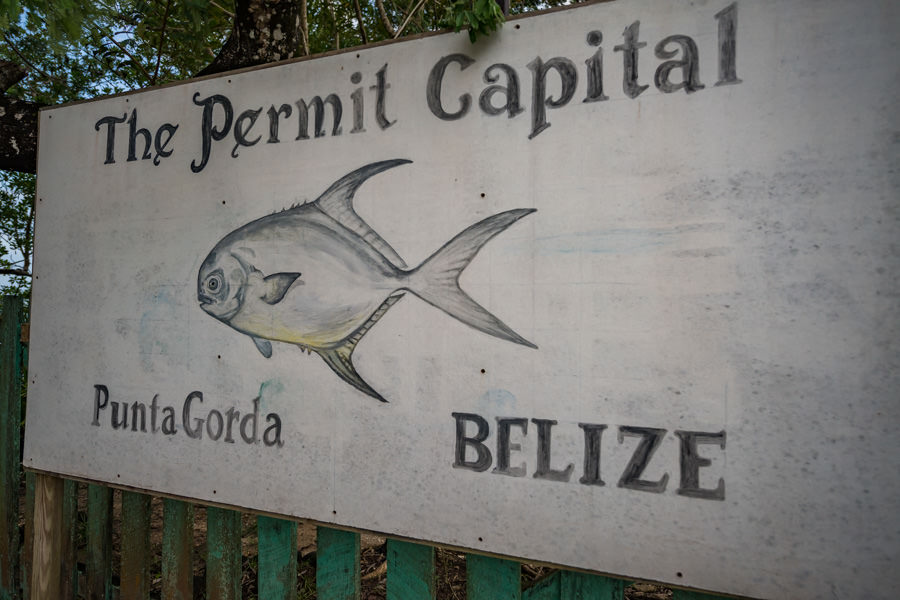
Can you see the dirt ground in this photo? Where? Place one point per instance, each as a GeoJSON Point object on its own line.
{"type": "Point", "coordinates": [450, 565]}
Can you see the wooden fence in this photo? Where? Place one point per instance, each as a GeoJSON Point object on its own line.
{"type": "Point", "coordinates": [40, 549]}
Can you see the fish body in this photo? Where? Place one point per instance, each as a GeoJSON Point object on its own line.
{"type": "Point", "coordinates": [317, 276]}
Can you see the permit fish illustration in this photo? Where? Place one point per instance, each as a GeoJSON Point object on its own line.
{"type": "Point", "coordinates": [317, 276]}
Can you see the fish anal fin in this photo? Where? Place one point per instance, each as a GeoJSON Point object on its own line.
{"type": "Point", "coordinates": [276, 286]}
{"type": "Point", "coordinates": [264, 346]}
{"type": "Point", "coordinates": [337, 203]}
{"type": "Point", "coordinates": [339, 359]}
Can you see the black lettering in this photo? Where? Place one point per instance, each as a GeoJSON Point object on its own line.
{"type": "Point", "coordinates": [252, 419]}
{"type": "Point", "coordinates": [629, 52]}
{"type": "Point", "coordinates": [274, 428]}
{"type": "Point", "coordinates": [100, 391]}
{"type": "Point", "coordinates": [595, 70]}
{"type": "Point", "coordinates": [168, 424]}
{"type": "Point", "coordinates": [133, 132]}
{"type": "Point", "coordinates": [592, 435]}
{"type": "Point", "coordinates": [110, 123]}
{"type": "Point", "coordinates": [504, 446]}
{"type": "Point", "coordinates": [134, 416]}
{"type": "Point", "coordinates": [483, 462]}
{"type": "Point", "coordinates": [381, 87]}
{"type": "Point", "coordinates": [153, 407]}
{"type": "Point", "coordinates": [358, 104]}
{"type": "Point", "coordinates": [727, 18]}
{"type": "Point", "coordinates": [197, 431]}
{"type": "Point", "coordinates": [543, 470]}
{"type": "Point", "coordinates": [435, 83]}
{"type": "Point", "coordinates": [319, 106]}
{"type": "Point", "coordinates": [232, 416]}
{"type": "Point", "coordinates": [689, 65]}
{"type": "Point", "coordinates": [650, 441]}
{"type": "Point", "coordinates": [160, 144]}
{"type": "Point", "coordinates": [214, 433]}
{"type": "Point", "coordinates": [240, 131]}
{"type": "Point", "coordinates": [511, 91]}
{"type": "Point", "coordinates": [690, 462]}
{"type": "Point", "coordinates": [284, 109]}
{"type": "Point", "coordinates": [208, 131]}
{"type": "Point", "coordinates": [116, 424]}
{"type": "Point", "coordinates": [539, 101]}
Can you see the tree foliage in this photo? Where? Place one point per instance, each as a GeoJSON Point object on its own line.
{"type": "Point", "coordinates": [16, 226]}
{"type": "Point", "coordinates": [78, 49]}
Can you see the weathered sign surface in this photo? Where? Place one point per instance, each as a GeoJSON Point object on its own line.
{"type": "Point", "coordinates": [614, 289]}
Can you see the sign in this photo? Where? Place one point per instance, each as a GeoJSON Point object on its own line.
{"type": "Point", "coordinates": [613, 289]}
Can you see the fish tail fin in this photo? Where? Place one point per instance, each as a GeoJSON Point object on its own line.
{"type": "Point", "coordinates": [436, 280]}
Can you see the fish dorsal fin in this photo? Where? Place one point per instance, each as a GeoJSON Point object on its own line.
{"type": "Point", "coordinates": [340, 358]}
{"type": "Point", "coordinates": [337, 203]}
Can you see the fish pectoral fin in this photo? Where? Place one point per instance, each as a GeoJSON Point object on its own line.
{"type": "Point", "coordinates": [264, 346]}
{"type": "Point", "coordinates": [276, 286]}
{"type": "Point", "coordinates": [340, 361]}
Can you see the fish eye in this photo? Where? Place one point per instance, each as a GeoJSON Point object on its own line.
{"type": "Point", "coordinates": [213, 283]}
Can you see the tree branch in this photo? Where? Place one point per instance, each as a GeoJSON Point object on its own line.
{"type": "Point", "coordinates": [128, 54]}
{"type": "Point", "coordinates": [162, 38]}
{"type": "Point", "coordinates": [304, 27]}
{"type": "Point", "coordinates": [25, 61]}
{"type": "Point", "coordinates": [408, 18]}
{"type": "Point", "coordinates": [264, 31]}
{"type": "Point", "coordinates": [359, 21]}
{"type": "Point", "coordinates": [18, 272]}
{"type": "Point", "coordinates": [18, 124]}
{"type": "Point", "coordinates": [10, 74]}
{"type": "Point", "coordinates": [388, 26]}
{"type": "Point", "coordinates": [223, 9]}
{"type": "Point", "coordinates": [337, 32]}
{"type": "Point", "coordinates": [29, 232]}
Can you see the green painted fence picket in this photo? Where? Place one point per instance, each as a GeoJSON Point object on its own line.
{"type": "Point", "coordinates": [223, 554]}
{"type": "Point", "coordinates": [136, 556]}
{"type": "Point", "coordinates": [277, 556]}
{"type": "Point", "coordinates": [337, 564]}
{"type": "Point", "coordinates": [10, 463]}
{"type": "Point", "coordinates": [411, 573]}
{"type": "Point", "coordinates": [410, 570]}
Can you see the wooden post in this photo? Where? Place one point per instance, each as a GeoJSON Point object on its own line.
{"type": "Point", "coordinates": [48, 538]}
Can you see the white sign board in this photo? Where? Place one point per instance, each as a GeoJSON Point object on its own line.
{"type": "Point", "coordinates": [613, 289]}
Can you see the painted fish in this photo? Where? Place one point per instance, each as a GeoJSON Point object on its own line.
{"type": "Point", "coordinates": [316, 275]}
